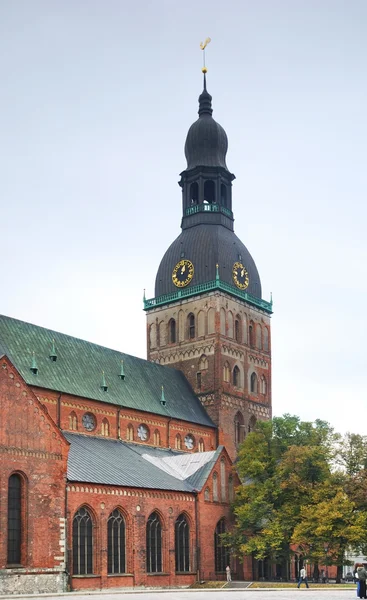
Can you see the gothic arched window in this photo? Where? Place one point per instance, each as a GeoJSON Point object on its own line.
{"type": "Point", "coordinates": [130, 433]}
{"type": "Point", "coordinates": [203, 364]}
{"type": "Point", "coordinates": [220, 551]}
{"type": "Point", "coordinates": [182, 544]}
{"type": "Point", "coordinates": [172, 331]}
{"type": "Point", "coordinates": [178, 442]}
{"type": "Point", "coordinates": [215, 487]}
{"type": "Point", "coordinates": [236, 377]}
{"type": "Point", "coordinates": [154, 544]}
{"type": "Point", "coordinates": [223, 491]}
{"type": "Point", "coordinates": [156, 438]}
{"type": "Point", "coordinates": [252, 423]}
{"type": "Point", "coordinates": [15, 525]}
{"type": "Point", "coordinates": [201, 447]}
{"type": "Point", "coordinates": [253, 383]}
{"type": "Point", "coordinates": [105, 428]}
{"type": "Point", "coordinates": [251, 333]}
{"type": "Point", "coordinates": [82, 542]}
{"type": "Point", "coordinates": [73, 421]}
{"type": "Point", "coordinates": [266, 339]}
{"type": "Point", "coordinates": [226, 372]}
{"type": "Point", "coordinates": [116, 543]}
{"type": "Point", "coordinates": [258, 336]}
{"type": "Point", "coordinates": [191, 326]}
{"type": "Point", "coordinates": [263, 385]}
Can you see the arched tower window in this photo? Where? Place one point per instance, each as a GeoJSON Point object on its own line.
{"type": "Point", "coordinates": [191, 326]}
{"type": "Point", "coordinates": [223, 321]}
{"type": "Point", "coordinates": [226, 372]}
{"type": "Point", "coordinates": [253, 383]}
{"type": "Point", "coordinates": [223, 194]}
{"type": "Point", "coordinates": [154, 544]}
{"type": "Point", "coordinates": [116, 547]}
{"type": "Point", "coordinates": [263, 385]}
{"type": "Point", "coordinates": [223, 491]}
{"type": "Point", "coordinates": [172, 331]}
{"type": "Point", "coordinates": [238, 428]}
{"type": "Point", "coordinates": [82, 542]}
{"type": "Point", "coordinates": [15, 525]}
{"type": "Point", "coordinates": [258, 336]}
{"type": "Point", "coordinates": [182, 544]}
{"type": "Point", "coordinates": [215, 487]}
{"type": "Point", "coordinates": [194, 193]}
{"type": "Point", "coordinates": [236, 377]}
{"type": "Point", "coordinates": [237, 329]}
{"type": "Point", "coordinates": [178, 442]}
{"type": "Point", "coordinates": [251, 333]}
{"type": "Point", "coordinates": [209, 192]}
{"type": "Point", "coordinates": [230, 324]}
{"type": "Point", "coordinates": [266, 339]}
{"type": "Point", "coordinates": [220, 551]}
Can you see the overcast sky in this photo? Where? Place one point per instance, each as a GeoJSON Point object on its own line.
{"type": "Point", "coordinates": [96, 97]}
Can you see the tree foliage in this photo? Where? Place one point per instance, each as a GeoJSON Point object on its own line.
{"type": "Point", "coordinates": [300, 486]}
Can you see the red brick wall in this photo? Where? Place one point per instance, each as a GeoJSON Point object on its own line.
{"type": "Point", "coordinates": [64, 405]}
{"type": "Point", "coordinates": [31, 446]}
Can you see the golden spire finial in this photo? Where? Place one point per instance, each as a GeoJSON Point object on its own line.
{"type": "Point", "coordinates": [203, 45]}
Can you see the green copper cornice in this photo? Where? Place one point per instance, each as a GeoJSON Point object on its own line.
{"type": "Point", "coordinates": [206, 287]}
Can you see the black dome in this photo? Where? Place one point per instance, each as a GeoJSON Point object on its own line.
{"type": "Point", "coordinates": [206, 142]}
{"type": "Point", "coordinates": [206, 246]}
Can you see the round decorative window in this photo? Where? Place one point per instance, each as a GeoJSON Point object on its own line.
{"type": "Point", "coordinates": [89, 421]}
{"type": "Point", "coordinates": [143, 433]}
{"type": "Point", "coordinates": [189, 441]}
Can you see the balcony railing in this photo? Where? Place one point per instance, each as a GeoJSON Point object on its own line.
{"type": "Point", "coordinates": [192, 210]}
{"type": "Point", "coordinates": [205, 287]}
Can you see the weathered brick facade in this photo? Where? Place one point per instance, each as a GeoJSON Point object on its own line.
{"type": "Point", "coordinates": [229, 334]}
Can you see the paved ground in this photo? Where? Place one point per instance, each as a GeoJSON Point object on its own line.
{"type": "Point", "coordinates": [256, 594]}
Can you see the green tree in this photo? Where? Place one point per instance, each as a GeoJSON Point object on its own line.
{"type": "Point", "coordinates": [280, 465]}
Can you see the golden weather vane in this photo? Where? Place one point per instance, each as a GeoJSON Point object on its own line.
{"type": "Point", "coordinates": [203, 45]}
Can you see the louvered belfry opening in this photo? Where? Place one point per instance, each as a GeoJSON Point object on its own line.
{"type": "Point", "coordinates": [154, 544]}
{"type": "Point", "coordinates": [14, 520]}
{"type": "Point", "coordinates": [116, 543]}
{"type": "Point", "coordinates": [182, 544]}
{"type": "Point", "coordinates": [82, 543]}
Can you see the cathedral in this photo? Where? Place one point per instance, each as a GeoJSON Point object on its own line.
{"type": "Point", "coordinates": [118, 472]}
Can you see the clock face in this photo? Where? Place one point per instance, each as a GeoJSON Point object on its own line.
{"type": "Point", "coordinates": [189, 441]}
{"type": "Point", "coordinates": [240, 275]}
{"type": "Point", "coordinates": [143, 433]}
{"type": "Point", "coordinates": [183, 273]}
{"type": "Point", "coordinates": [89, 421]}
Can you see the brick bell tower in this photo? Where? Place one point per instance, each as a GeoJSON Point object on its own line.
{"type": "Point", "coordinates": [207, 317]}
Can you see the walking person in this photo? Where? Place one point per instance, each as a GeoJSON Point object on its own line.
{"type": "Point", "coordinates": [361, 582]}
{"type": "Point", "coordinates": [228, 571]}
{"type": "Point", "coordinates": [302, 577]}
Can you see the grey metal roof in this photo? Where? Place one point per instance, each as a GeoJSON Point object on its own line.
{"type": "Point", "coordinates": [114, 462]}
{"type": "Point", "coordinates": [206, 246]}
{"type": "Point", "coordinates": [78, 371]}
